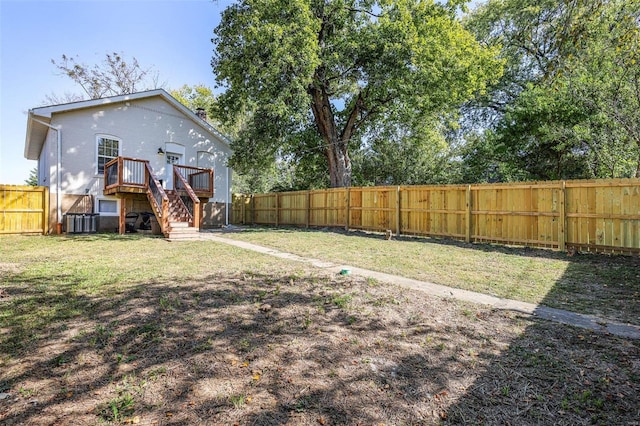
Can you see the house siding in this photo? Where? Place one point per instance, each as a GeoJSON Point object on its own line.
{"type": "Point", "coordinates": [143, 126]}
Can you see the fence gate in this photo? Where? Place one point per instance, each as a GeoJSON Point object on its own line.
{"type": "Point", "coordinates": [24, 209]}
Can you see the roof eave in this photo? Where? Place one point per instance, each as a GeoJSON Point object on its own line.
{"type": "Point", "coordinates": [37, 132]}
{"type": "Point", "coordinates": [36, 135]}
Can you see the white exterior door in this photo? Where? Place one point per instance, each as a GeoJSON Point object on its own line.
{"type": "Point", "coordinates": [172, 158]}
{"type": "Point", "coordinates": [174, 154]}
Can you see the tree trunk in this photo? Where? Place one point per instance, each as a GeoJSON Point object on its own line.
{"type": "Point", "coordinates": [335, 144]}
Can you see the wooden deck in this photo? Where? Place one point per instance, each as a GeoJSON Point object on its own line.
{"type": "Point", "coordinates": [193, 186]}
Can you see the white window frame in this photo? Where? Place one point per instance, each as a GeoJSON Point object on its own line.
{"type": "Point", "coordinates": [172, 155]}
{"type": "Point", "coordinates": [97, 157]}
{"type": "Point", "coordinates": [101, 213]}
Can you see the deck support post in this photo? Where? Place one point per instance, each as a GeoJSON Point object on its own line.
{"type": "Point", "coordinates": [123, 214]}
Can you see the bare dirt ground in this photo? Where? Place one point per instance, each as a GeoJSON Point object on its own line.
{"type": "Point", "coordinates": [309, 349]}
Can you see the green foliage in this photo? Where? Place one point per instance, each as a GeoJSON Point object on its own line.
{"type": "Point", "coordinates": [565, 106]}
{"type": "Point", "coordinates": [118, 408]}
{"type": "Point", "coordinates": [194, 97]}
{"type": "Point", "coordinates": [399, 157]}
{"type": "Point", "coordinates": [341, 301]}
{"type": "Point", "coordinates": [316, 80]}
{"type": "Point", "coordinates": [32, 180]}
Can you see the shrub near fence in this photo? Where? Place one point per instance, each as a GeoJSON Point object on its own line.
{"type": "Point", "coordinates": [588, 215]}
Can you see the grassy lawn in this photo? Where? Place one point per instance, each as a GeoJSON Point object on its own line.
{"type": "Point", "coordinates": [109, 329]}
{"type": "Point", "coordinates": [593, 284]}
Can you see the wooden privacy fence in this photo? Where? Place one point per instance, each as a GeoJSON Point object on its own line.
{"type": "Point", "coordinates": [588, 215]}
{"type": "Point", "coordinates": [24, 209]}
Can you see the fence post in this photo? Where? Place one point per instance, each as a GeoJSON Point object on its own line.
{"type": "Point", "coordinates": [398, 211]}
{"type": "Point", "coordinates": [562, 220]}
{"type": "Point", "coordinates": [253, 209]}
{"type": "Point", "coordinates": [467, 236]}
{"type": "Point", "coordinates": [308, 208]}
{"type": "Point", "coordinates": [277, 210]}
{"type": "Point", "coordinates": [348, 214]}
{"type": "Point", "coordinates": [243, 199]}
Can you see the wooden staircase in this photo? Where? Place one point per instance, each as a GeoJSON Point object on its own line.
{"type": "Point", "coordinates": [178, 216]}
{"type": "Point", "coordinates": [180, 220]}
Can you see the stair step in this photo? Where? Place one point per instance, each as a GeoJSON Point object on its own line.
{"type": "Point", "coordinates": [182, 233]}
{"type": "Point", "coordinates": [185, 231]}
{"type": "Point", "coordinates": [183, 237]}
{"type": "Point", "coordinates": [179, 219]}
{"type": "Point", "coordinates": [179, 224]}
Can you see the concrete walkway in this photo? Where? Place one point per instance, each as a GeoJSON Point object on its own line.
{"type": "Point", "coordinates": [558, 315]}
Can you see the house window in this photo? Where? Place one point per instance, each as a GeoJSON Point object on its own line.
{"type": "Point", "coordinates": [173, 158]}
{"type": "Point", "coordinates": [107, 207]}
{"type": "Point", "coordinates": [108, 149]}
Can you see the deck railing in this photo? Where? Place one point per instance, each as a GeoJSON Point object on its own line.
{"type": "Point", "coordinates": [134, 175]}
{"type": "Point", "coordinates": [137, 174]}
{"type": "Point", "coordinates": [124, 171]}
{"type": "Point", "coordinates": [200, 180]}
{"type": "Point", "coordinates": [188, 197]}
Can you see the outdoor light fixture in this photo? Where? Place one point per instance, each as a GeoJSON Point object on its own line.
{"type": "Point", "coordinates": [160, 151]}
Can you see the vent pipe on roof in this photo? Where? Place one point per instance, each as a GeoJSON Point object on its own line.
{"type": "Point", "coordinates": [201, 113]}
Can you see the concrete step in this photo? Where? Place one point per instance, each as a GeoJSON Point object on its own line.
{"type": "Point", "coordinates": [173, 237]}
{"type": "Point", "coordinates": [182, 231]}
{"type": "Point", "coordinates": [179, 224]}
{"type": "Point", "coordinates": [183, 234]}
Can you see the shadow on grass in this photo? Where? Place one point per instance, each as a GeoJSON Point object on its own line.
{"type": "Point", "coordinates": [561, 375]}
{"type": "Point", "coordinates": [242, 348]}
{"type": "Point", "coordinates": [111, 236]}
{"type": "Point", "coordinates": [549, 374]}
{"type": "Point", "coordinates": [596, 284]}
{"type": "Point", "coordinates": [284, 348]}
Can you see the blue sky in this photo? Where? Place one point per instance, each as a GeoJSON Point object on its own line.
{"type": "Point", "coordinates": [173, 37]}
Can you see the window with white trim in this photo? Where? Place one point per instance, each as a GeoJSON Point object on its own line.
{"type": "Point", "coordinates": [108, 148]}
{"type": "Point", "coordinates": [173, 158]}
{"type": "Point", "coordinates": [107, 207]}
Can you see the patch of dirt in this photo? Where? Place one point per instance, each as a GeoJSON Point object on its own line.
{"type": "Point", "coordinates": [9, 267]}
{"type": "Point", "coordinates": [316, 350]}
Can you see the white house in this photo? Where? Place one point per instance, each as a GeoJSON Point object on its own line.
{"type": "Point", "coordinates": [144, 152]}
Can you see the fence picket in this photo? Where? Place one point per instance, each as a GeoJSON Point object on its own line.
{"type": "Point", "coordinates": [595, 215]}
{"type": "Point", "coordinates": [24, 209]}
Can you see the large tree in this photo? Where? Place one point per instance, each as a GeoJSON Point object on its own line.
{"type": "Point", "coordinates": [195, 97]}
{"type": "Point", "coordinates": [604, 78]}
{"type": "Point", "coordinates": [567, 105]}
{"type": "Point", "coordinates": [314, 76]}
{"type": "Point", "coordinates": [115, 75]}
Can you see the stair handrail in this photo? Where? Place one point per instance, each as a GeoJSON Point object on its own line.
{"type": "Point", "coordinates": [181, 184]}
{"type": "Point", "coordinates": [158, 198]}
